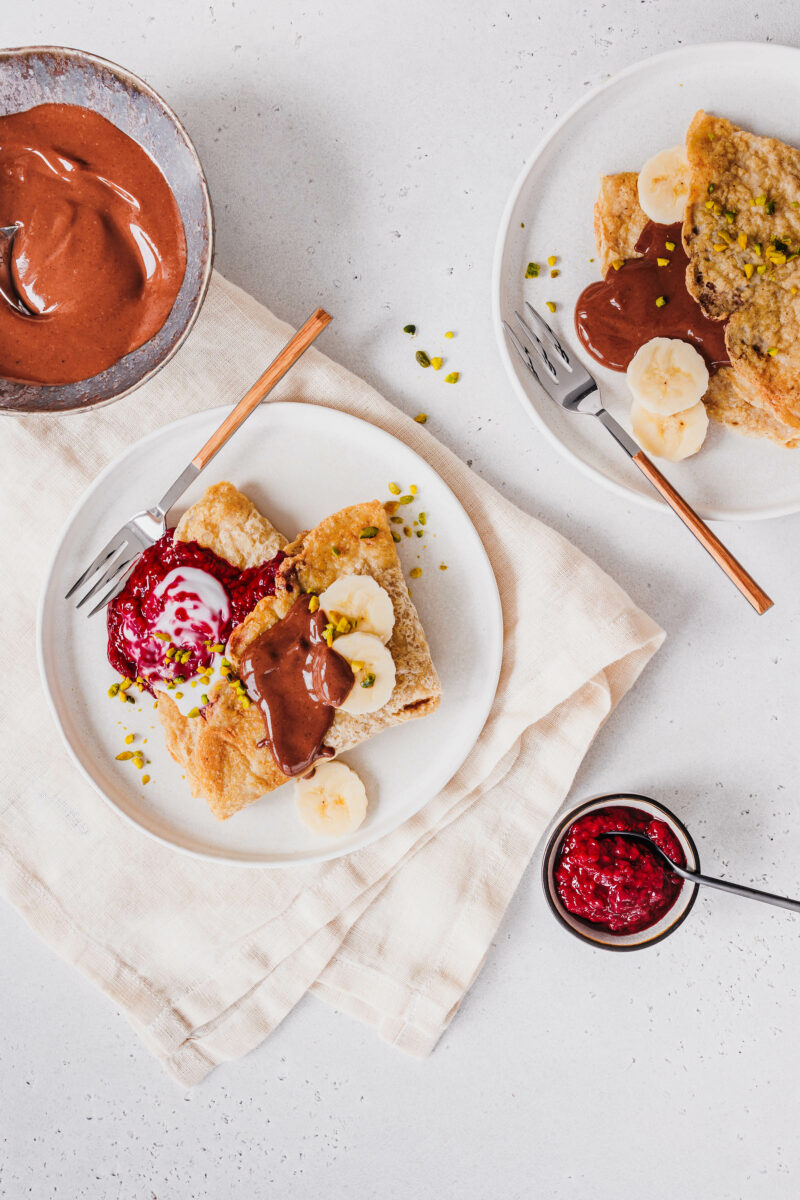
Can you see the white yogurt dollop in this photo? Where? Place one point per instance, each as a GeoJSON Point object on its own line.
{"type": "Point", "coordinates": [195, 607]}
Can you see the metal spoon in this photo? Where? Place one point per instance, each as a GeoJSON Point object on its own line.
{"type": "Point", "coordinates": [7, 287]}
{"type": "Point", "coordinates": [695, 877]}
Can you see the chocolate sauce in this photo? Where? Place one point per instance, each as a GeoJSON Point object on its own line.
{"type": "Point", "coordinates": [298, 681]}
{"type": "Point", "coordinates": [100, 252]}
{"type": "Point", "coordinates": [617, 315]}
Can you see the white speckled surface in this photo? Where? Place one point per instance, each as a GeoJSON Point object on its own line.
{"type": "Point", "coordinates": [360, 155]}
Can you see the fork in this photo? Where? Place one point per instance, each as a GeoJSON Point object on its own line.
{"type": "Point", "coordinates": [564, 379]}
{"type": "Point", "coordinates": [118, 557]}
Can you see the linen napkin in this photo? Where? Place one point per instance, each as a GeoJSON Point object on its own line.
{"type": "Point", "coordinates": [206, 959]}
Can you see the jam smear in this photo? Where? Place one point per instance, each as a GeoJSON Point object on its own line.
{"type": "Point", "coordinates": [298, 681]}
{"type": "Point", "coordinates": [185, 595]}
{"type": "Point", "coordinates": [617, 315]}
{"type": "Point", "coordinates": [617, 884]}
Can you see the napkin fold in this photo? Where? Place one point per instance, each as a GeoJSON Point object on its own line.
{"type": "Point", "coordinates": [206, 959]}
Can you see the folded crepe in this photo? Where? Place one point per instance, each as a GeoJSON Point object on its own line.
{"type": "Point", "coordinates": [220, 751]}
{"type": "Point", "coordinates": [732, 398]}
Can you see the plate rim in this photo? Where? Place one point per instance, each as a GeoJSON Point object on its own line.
{"type": "Point", "coordinates": [494, 626]}
{"type": "Point", "coordinates": [654, 503]}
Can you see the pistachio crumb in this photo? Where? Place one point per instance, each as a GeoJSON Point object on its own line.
{"type": "Point", "coordinates": [616, 264]}
{"type": "Point", "coordinates": [662, 262]}
{"type": "Point", "coordinates": [422, 358]}
{"type": "Point", "coordinates": [661, 301]}
{"type": "Point", "coordinates": [531, 272]}
{"type": "Point", "coordinates": [453, 377]}
{"type": "Point", "coordinates": [449, 333]}
{"type": "Point", "coordinates": [415, 572]}
{"type": "Point", "coordinates": [423, 518]}
{"type": "Point", "coordinates": [124, 756]}
{"type": "Point", "coordinates": [412, 329]}
{"type": "Point", "coordinates": [113, 690]}
{"type": "Point", "coordinates": [436, 363]}
{"type": "Point", "coordinates": [129, 739]}
{"type": "Point", "coordinates": [413, 489]}
{"type": "Point", "coordinates": [552, 260]}
{"type": "Point", "coordinates": [421, 418]}
{"type": "Point", "coordinates": [313, 604]}
{"type": "Point", "coordinates": [394, 488]}
{"type": "Point", "coordinates": [336, 552]}
{"type": "Point", "coordinates": [406, 500]}
{"type": "Point", "coordinates": [145, 779]}
{"type": "Point", "coordinates": [395, 536]}
{"type": "Point", "coordinates": [369, 531]}
{"type": "Point", "coordinates": [773, 350]}
{"type": "Point", "coordinates": [669, 245]}
{"type": "Point", "coordinates": [442, 566]}
{"type": "Point", "coordinates": [555, 271]}
{"type": "Point", "coordinates": [193, 712]}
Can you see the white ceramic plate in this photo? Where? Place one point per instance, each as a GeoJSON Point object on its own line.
{"type": "Point", "coordinates": [617, 127]}
{"type": "Point", "coordinates": [298, 463]}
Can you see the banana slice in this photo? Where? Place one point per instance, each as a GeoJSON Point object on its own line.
{"type": "Point", "coordinates": [373, 667]}
{"type": "Point", "coordinates": [675, 436]}
{"type": "Point", "coordinates": [331, 800]}
{"type": "Point", "coordinates": [667, 376]}
{"type": "Point", "coordinates": [363, 601]}
{"type": "Point", "coordinates": [664, 186]}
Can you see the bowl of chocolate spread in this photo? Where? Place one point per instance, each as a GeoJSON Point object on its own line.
{"type": "Point", "coordinates": [111, 256]}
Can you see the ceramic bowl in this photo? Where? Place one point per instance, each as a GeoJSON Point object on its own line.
{"type": "Point", "coordinates": [592, 934]}
{"type": "Point", "coordinates": [34, 75]}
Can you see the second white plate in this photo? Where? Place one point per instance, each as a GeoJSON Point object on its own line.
{"type": "Point", "coordinates": [617, 127]}
{"type": "Point", "coordinates": [298, 463]}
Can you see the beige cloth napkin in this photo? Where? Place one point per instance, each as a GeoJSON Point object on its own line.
{"type": "Point", "coordinates": [207, 959]}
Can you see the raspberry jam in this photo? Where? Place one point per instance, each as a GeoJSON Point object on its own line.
{"type": "Point", "coordinates": [183, 596]}
{"type": "Point", "coordinates": [616, 884]}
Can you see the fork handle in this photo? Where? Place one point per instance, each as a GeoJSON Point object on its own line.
{"type": "Point", "coordinates": [264, 384]}
{"type": "Point", "coordinates": [720, 553]}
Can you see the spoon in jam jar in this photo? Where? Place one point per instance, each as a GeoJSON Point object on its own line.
{"type": "Point", "coordinates": [8, 289]}
{"type": "Point", "coordinates": [723, 885]}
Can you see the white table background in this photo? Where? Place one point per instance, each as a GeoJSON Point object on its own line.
{"type": "Point", "coordinates": [359, 155]}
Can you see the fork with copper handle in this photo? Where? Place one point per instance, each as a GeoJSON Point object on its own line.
{"type": "Point", "coordinates": [564, 378]}
{"type": "Point", "coordinates": [117, 558]}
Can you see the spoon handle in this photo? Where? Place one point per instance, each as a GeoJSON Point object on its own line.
{"type": "Point", "coordinates": [739, 889]}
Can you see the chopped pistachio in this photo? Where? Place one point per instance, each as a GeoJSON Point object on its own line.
{"type": "Point", "coordinates": [124, 756]}
{"type": "Point", "coordinates": [669, 245]}
{"type": "Point", "coordinates": [770, 207]}
{"type": "Point", "coordinates": [415, 572]}
{"type": "Point", "coordinates": [748, 270]}
{"type": "Point", "coordinates": [423, 518]}
{"type": "Point", "coordinates": [662, 262]}
{"type": "Point", "coordinates": [422, 358]}
{"type": "Point", "coordinates": [442, 566]}
{"type": "Point", "coordinates": [313, 604]}
{"type": "Point", "coordinates": [396, 520]}
{"type": "Point", "coordinates": [369, 680]}
{"type": "Point", "coordinates": [162, 637]}
{"type": "Point", "coordinates": [343, 625]}
{"type": "Point", "coordinates": [729, 215]}
{"type": "Point", "coordinates": [552, 260]}
{"type": "Point", "coordinates": [129, 739]}
{"type": "Point", "coordinates": [193, 712]}
{"type": "Point", "coordinates": [406, 500]}
{"type": "Point", "coordinates": [719, 246]}
{"type": "Point", "coordinates": [436, 363]}
{"type": "Point", "coordinates": [394, 488]}
{"type": "Point", "coordinates": [616, 264]}
{"type": "Point", "coordinates": [413, 489]}
{"type": "Point", "coordinates": [421, 418]}
{"type": "Point", "coordinates": [760, 270]}
{"type": "Point", "coordinates": [412, 329]}
{"type": "Point", "coordinates": [760, 200]}
{"type": "Point", "coordinates": [453, 377]}
{"type": "Point", "coordinates": [145, 779]}
{"type": "Point", "coordinates": [125, 684]}
{"type": "Point", "coordinates": [661, 301]}
{"type": "Point", "coordinates": [204, 698]}
{"type": "Point", "coordinates": [710, 188]}
{"type": "Point", "coordinates": [390, 507]}
{"type": "Point", "coordinates": [531, 272]}
{"type": "Point", "coordinates": [742, 240]}
{"type": "Point", "coordinates": [773, 350]}
{"type": "Point", "coordinates": [369, 531]}
{"type": "Point", "coordinates": [407, 530]}
{"type": "Point", "coordinates": [757, 249]}
{"type": "Point", "coordinates": [449, 333]}
{"type": "Point", "coordinates": [113, 690]}
{"type": "Point", "coordinates": [555, 271]}
{"type": "Point", "coordinates": [179, 695]}
{"type": "Point", "coordinates": [419, 532]}
{"type": "Point", "coordinates": [709, 204]}
{"type": "Point", "coordinates": [336, 552]}
{"type": "Point", "coordinates": [395, 536]}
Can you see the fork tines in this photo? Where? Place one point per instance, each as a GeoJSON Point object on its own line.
{"type": "Point", "coordinates": [122, 550]}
